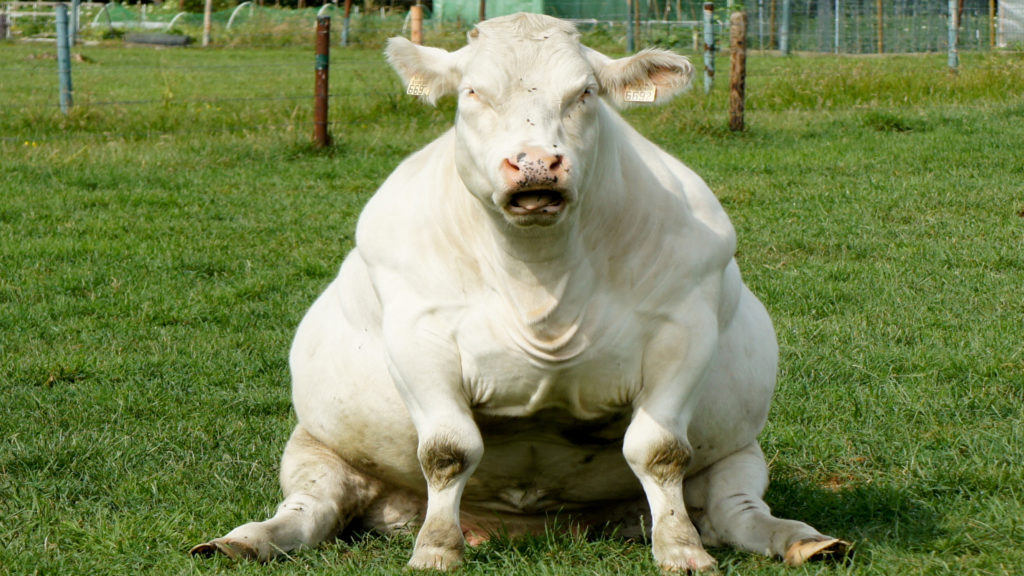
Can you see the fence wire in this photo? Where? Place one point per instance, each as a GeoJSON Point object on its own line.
{"type": "Point", "coordinates": [870, 26]}
{"type": "Point", "coordinates": [840, 26]}
{"type": "Point", "coordinates": [273, 90]}
{"type": "Point", "coordinates": [281, 102]}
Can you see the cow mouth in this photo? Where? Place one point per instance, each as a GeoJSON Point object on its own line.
{"type": "Point", "coordinates": [536, 203]}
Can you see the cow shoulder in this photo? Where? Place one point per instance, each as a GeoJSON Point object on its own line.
{"type": "Point", "coordinates": [416, 223]}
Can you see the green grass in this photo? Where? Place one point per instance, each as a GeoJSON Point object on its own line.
{"type": "Point", "coordinates": [159, 245]}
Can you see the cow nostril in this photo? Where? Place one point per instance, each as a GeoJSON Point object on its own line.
{"type": "Point", "coordinates": [509, 165]}
{"type": "Point", "coordinates": [557, 163]}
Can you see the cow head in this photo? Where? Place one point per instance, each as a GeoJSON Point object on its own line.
{"type": "Point", "coordinates": [530, 108]}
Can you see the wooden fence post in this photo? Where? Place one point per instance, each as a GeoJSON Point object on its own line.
{"type": "Point", "coordinates": [737, 69]}
{"type": "Point", "coordinates": [991, 24]}
{"type": "Point", "coordinates": [881, 27]}
{"type": "Point", "coordinates": [207, 22]}
{"type": "Point", "coordinates": [416, 16]}
{"type": "Point", "coordinates": [709, 45]}
{"type": "Point", "coordinates": [321, 138]}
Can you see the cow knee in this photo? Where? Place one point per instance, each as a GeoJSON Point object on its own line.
{"type": "Point", "coordinates": [447, 456]}
{"type": "Point", "coordinates": [655, 452]}
{"type": "Point", "coordinates": [666, 460]}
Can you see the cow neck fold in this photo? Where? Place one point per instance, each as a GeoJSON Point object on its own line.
{"type": "Point", "coordinates": [544, 278]}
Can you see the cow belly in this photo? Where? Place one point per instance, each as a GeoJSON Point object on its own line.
{"type": "Point", "coordinates": [531, 477]}
{"type": "Point", "coordinates": [551, 461]}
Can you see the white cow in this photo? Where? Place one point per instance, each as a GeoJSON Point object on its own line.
{"type": "Point", "coordinates": [542, 316]}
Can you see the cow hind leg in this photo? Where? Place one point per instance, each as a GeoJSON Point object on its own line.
{"type": "Point", "coordinates": [322, 494]}
{"type": "Point", "coordinates": [734, 514]}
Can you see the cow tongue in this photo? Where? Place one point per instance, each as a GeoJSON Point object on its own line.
{"type": "Point", "coordinates": [533, 201]}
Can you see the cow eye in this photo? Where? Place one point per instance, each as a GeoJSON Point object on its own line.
{"type": "Point", "coordinates": [587, 93]}
{"type": "Point", "coordinates": [471, 93]}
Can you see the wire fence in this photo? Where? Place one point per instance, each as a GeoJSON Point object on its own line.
{"type": "Point", "coordinates": [243, 24]}
{"type": "Point", "coordinates": [265, 89]}
{"type": "Point", "coordinates": [838, 26]}
{"type": "Point", "coordinates": [875, 26]}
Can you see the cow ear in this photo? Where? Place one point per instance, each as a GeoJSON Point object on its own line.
{"type": "Point", "coordinates": [429, 73]}
{"type": "Point", "coordinates": [648, 76]}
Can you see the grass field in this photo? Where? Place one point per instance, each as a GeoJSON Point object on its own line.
{"type": "Point", "coordinates": [159, 245]}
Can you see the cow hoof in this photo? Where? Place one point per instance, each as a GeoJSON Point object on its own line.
{"type": "Point", "coordinates": [434, 558]}
{"type": "Point", "coordinates": [688, 559]}
{"type": "Point", "coordinates": [233, 549]}
{"type": "Point", "coordinates": [812, 549]}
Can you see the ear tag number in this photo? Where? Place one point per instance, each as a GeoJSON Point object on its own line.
{"type": "Point", "coordinates": [645, 92]}
{"type": "Point", "coordinates": [417, 86]}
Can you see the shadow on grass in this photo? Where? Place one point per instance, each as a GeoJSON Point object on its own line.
{"type": "Point", "coordinates": [864, 515]}
{"type": "Point", "coordinates": [860, 514]}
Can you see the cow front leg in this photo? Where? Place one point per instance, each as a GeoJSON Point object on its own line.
{"type": "Point", "coordinates": [448, 455]}
{"type": "Point", "coordinates": [659, 457]}
{"type": "Point", "coordinates": [426, 367]}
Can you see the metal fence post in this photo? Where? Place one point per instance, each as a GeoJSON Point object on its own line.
{"type": "Point", "coordinates": [630, 33]}
{"type": "Point", "coordinates": [345, 22]}
{"type": "Point", "coordinates": [836, 47]}
{"type": "Point", "coordinates": [76, 10]}
{"type": "Point", "coordinates": [784, 27]}
{"type": "Point", "coordinates": [709, 45]}
{"type": "Point", "coordinates": [321, 138]}
{"type": "Point", "coordinates": [3, 26]}
{"type": "Point", "coordinates": [64, 58]}
{"type": "Point", "coordinates": [954, 57]}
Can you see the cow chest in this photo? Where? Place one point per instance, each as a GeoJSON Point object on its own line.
{"type": "Point", "coordinates": [552, 417]}
{"type": "Point", "coordinates": [590, 366]}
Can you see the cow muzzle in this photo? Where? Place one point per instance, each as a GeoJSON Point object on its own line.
{"type": "Point", "coordinates": [536, 184]}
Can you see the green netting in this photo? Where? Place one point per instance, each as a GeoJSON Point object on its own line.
{"type": "Point", "coordinates": [120, 15]}
{"type": "Point", "coordinates": [252, 14]}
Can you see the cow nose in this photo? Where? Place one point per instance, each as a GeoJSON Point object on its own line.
{"type": "Point", "coordinates": [534, 167]}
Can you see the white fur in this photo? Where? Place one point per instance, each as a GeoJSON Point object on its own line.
{"type": "Point", "coordinates": [578, 366]}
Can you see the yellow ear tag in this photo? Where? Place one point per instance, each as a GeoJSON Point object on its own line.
{"type": "Point", "coordinates": [417, 86]}
{"type": "Point", "coordinates": [645, 92]}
